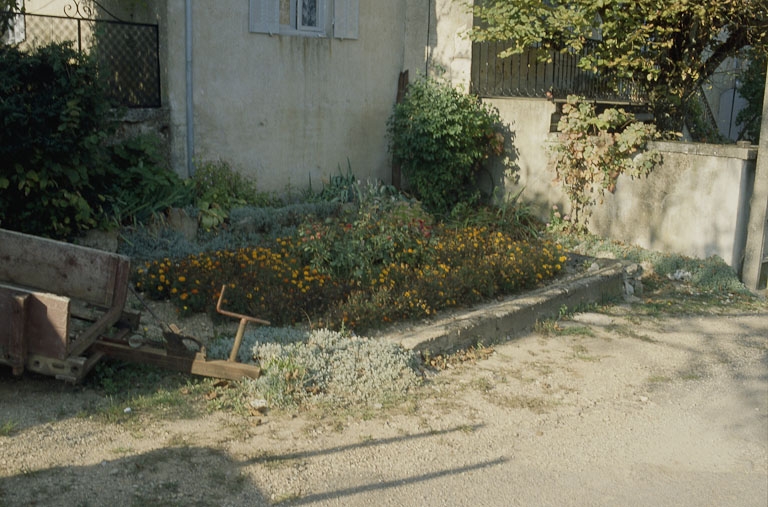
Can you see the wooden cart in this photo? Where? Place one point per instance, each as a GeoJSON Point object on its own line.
{"type": "Point", "coordinates": [62, 308]}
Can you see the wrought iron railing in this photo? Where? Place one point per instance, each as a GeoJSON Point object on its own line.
{"type": "Point", "coordinates": [127, 54]}
{"type": "Point", "coordinates": [525, 75]}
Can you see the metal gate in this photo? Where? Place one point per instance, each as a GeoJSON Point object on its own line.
{"type": "Point", "coordinates": [127, 54]}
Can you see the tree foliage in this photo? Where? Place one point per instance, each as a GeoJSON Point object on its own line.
{"type": "Point", "coordinates": [670, 48]}
{"type": "Point", "coordinates": [752, 88]}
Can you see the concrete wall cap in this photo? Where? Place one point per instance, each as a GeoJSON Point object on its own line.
{"type": "Point", "coordinates": [706, 150]}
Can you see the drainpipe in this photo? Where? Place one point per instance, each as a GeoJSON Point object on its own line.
{"type": "Point", "coordinates": [190, 105]}
{"type": "Point", "coordinates": [429, 25]}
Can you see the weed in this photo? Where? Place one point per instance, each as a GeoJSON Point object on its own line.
{"type": "Point", "coordinates": [519, 401]}
{"type": "Point", "coordinates": [576, 331]}
{"type": "Point", "coordinates": [582, 353]}
{"type": "Point", "coordinates": [547, 327]}
{"type": "Point", "coordinates": [8, 428]}
{"type": "Point", "coordinates": [287, 497]}
{"type": "Point", "coordinates": [691, 375]}
{"type": "Point", "coordinates": [630, 332]}
{"type": "Point", "coordinates": [483, 384]}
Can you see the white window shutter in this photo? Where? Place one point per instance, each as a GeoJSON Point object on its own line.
{"type": "Point", "coordinates": [345, 19]}
{"type": "Point", "coordinates": [264, 16]}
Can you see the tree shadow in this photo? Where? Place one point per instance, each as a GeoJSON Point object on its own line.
{"type": "Point", "coordinates": [190, 475]}
{"type": "Point", "coordinates": [169, 476]}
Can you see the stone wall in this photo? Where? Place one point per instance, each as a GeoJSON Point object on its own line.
{"type": "Point", "coordinates": [696, 203]}
{"type": "Point", "coordinates": [154, 122]}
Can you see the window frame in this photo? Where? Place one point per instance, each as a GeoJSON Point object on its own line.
{"type": "Point", "coordinates": [336, 18]}
{"type": "Point", "coordinates": [296, 21]}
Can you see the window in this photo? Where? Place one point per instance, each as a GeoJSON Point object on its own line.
{"type": "Point", "coordinates": [305, 17]}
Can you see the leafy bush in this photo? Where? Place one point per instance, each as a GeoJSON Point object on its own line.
{"type": "Point", "coordinates": [55, 119]}
{"type": "Point", "coordinates": [511, 216]}
{"type": "Point", "coordinates": [461, 267]}
{"type": "Point", "coordinates": [280, 220]}
{"type": "Point", "coordinates": [594, 150]}
{"type": "Point", "coordinates": [376, 260]}
{"type": "Point", "coordinates": [268, 282]}
{"type": "Point", "coordinates": [248, 226]}
{"type": "Point", "coordinates": [440, 137]}
{"type": "Point", "coordinates": [340, 188]}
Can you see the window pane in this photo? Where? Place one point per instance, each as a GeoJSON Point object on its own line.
{"type": "Point", "coordinates": [309, 12]}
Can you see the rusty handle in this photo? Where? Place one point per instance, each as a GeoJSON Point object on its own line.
{"type": "Point", "coordinates": [244, 319]}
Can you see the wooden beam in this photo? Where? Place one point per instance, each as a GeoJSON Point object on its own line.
{"type": "Point", "coordinates": [194, 364]}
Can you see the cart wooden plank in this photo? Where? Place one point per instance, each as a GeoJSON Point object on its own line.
{"type": "Point", "coordinates": [79, 273]}
{"type": "Point", "coordinates": [45, 325]}
{"type": "Point", "coordinates": [13, 345]}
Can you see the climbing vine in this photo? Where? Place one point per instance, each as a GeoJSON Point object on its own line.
{"type": "Point", "coordinates": [593, 150]}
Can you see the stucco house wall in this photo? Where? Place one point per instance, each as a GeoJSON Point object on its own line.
{"type": "Point", "coordinates": [288, 109]}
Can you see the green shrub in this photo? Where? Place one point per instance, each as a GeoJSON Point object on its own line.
{"type": "Point", "coordinates": [340, 188]}
{"type": "Point", "coordinates": [440, 137]}
{"type": "Point", "coordinates": [460, 267]}
{"type": "Point", "coordinates": [322, 365]}
{"type": "Point", "coordinates": [55, 119]}
{"type": "Point", "coordinates": [217, 189]}
{"type": "Point", "coordinates": [61, 170]}
{"type": "Point", "coordinates": [381, 229]}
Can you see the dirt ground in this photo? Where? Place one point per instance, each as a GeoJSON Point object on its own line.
{"type": "Point", "coordinates": [606, 409]}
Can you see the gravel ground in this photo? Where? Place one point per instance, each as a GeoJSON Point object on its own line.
{"type": "Point", "coordinates": [607, 410]}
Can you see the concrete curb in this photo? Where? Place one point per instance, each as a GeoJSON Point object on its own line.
{"type": "Point", "coordinates": [501, 321]}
